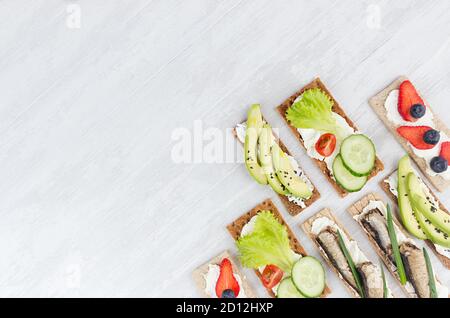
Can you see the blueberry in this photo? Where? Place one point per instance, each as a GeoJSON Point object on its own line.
{"type": "Point", "coordinates": [438, 164]}
{"type": "Point", "coordinates": [228, 293]}
{"type": "Point", "coordinates": [431, 137]}
{"type": "Point", "coordinates": [417, 110]}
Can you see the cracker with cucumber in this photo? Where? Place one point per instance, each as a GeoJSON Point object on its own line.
{"type": "Point", "coordinates": [270, 163]}
{"type": "Point", "coordinates": [415, 201]}
{"type": "Point", "coordinates": [266, 244]}
{"type": "Point", "coordinates": [343, 154]}
{"type": "Point", "coordinates": [362, 278]}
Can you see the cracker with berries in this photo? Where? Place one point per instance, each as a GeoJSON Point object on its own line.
{"type": "Point", "coordinates": [422, 134]}
{"type": "Point", "coordinates": [220, 278]}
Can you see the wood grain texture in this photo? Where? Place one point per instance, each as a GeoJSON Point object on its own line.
{"type": "Point", "coordinates": [92, 203]}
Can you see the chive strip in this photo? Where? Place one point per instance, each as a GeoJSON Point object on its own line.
{"type": "Point", "coordinates": [351, 264]}
{"type": "Point", "coordinates": [395, 248]}
{"type": "Point", "coordinates": [385, 288]}
{"type": "Point", "coordinates": [431, 282]}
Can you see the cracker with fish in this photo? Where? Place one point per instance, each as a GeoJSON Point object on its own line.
{"type": "Point", "coordinates": [322, 229]}
{"type": "Point", "coordinates": [370, 213]}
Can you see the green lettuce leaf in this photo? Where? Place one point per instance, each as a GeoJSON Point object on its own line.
{"type": "Point", "coordinates": [268, 244]}
{"type": "Point", "coordinates": [313, 111]}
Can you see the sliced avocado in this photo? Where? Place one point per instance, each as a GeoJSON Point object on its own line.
{"type": "Point", "coordinates": [407, 214]}
{"type": "Point", "coordinates": [265, 142]}
{"type": "Point", "coordinates": [423, 204]}
{"type": "Point", "coordinates": [254, 126]}
{"type": "Point", "coordinates": [433, 233]}
{"type": "Point", "coordinates": [286, 174]}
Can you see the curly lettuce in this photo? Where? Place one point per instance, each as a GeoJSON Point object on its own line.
{"type": "Point", "coordinates": [313, 111]}
{"type": "Point", "coordinates": [268, 244]}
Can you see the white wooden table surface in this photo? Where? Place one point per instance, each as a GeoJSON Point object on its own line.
{"type": "Point", "coordinates": [92, 91]}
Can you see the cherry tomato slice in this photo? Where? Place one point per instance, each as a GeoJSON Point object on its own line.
{"type": "Point", "coordinates": [271, 276]}
{"type": "Point", "coordinates": [326, 144]}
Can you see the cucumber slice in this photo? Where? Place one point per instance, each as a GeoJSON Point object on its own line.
{"type": "Point", "coordinates": [308, 276]}
{"type": "Point", "coordinates": [287, 289]}
{"type": "Point", "coordinates": [345, 179]}
{"type": "Point", "coordinates": [358, 155]}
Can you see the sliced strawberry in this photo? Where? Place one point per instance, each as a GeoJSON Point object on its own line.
{"type": "Point", "coordinates": [226, 279]}
{"type": "Point", "coordinates": [414, 134]}
{"type": "Point", "coordinates": [408, 97]}
{"type": "Point", "coordinates": [445, 151]}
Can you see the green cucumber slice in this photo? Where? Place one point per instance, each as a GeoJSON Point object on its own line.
{"type": "Point", "coordinates": [345, 179]}
{"type": "Point", "coordinates": [287, 289]}
{"type": "Point", "coordinates": [358, 155]}
{"type": "Point", "coordinates": [308, 276]}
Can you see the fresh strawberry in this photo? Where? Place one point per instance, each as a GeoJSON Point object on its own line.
{"type": "Point", "coordinates": [414, 134]}
{"type": "Point", "coordinates": [445, 151]}
{"type": "Point", "coordinates": [226, 280]}
{"type": "Point", "coordinates": [408, 97]}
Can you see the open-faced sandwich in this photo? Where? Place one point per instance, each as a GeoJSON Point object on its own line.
{"type": "Point", "coordinates": [421, 212]}
{"type": "Point", "coordinates": [407, 262]}
{"type": "Point", "coordinates": [267, 245]}
{"type": "Point", "coordinates": [220, 278]}
{"type": "Point", "coordinates": [423, 135]}
{"type": "Point", "coordinates": [363, 278]}
{"type": "Point", "coordinates": [269, 162]}
{"type": "Point", "coordinates": [346, 156]}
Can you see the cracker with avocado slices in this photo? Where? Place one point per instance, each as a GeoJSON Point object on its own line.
{"type": "Point", "coordinates": [200, 273]}
{"type": "Point", "coordinates": [384, 184]}
{"type": "Point", "coordinates": [282, 109]}
{"type": "Point", "coordinates": [235, 229]}
{"type": "Point", "coordinates": [377, 103]}
{"type": "Point", "coordinates": [293, 208]}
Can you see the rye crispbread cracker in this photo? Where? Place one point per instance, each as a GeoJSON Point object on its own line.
{"type": "Point", "coordinates": [236, 227]}
{"type": "Point", "coordinates": [307, 228]}
{"type": "Point", "coordinates": [355, 210]}
{"type": "Point", "coordinates": [385, 186]}
{"type": "Point", "coordinates": [292, 208]}
{"type": "Point", "coordinates": [377, 103]}
{"type": "Point", "coordinates": [202, 270]}
{"type": "Point", "coordinates": [317, 83]}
